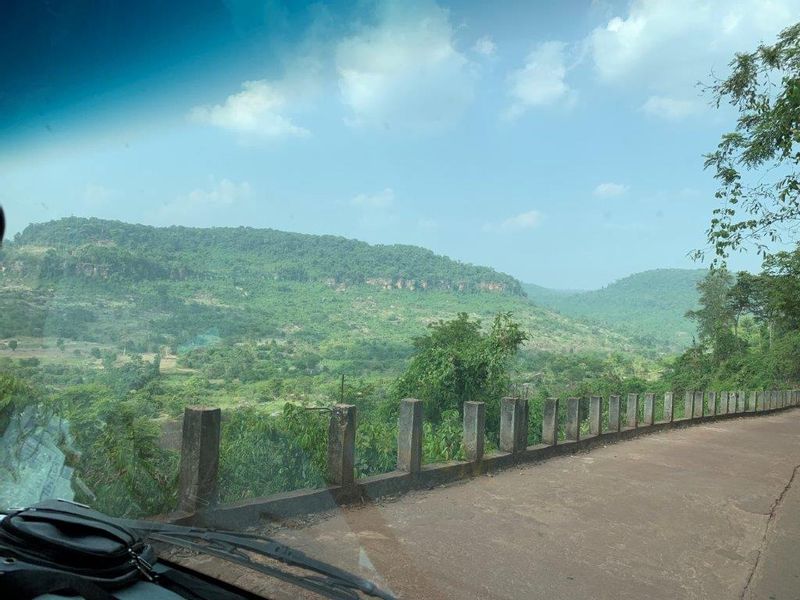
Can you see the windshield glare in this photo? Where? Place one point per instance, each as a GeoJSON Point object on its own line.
{"type": "Point", "coordinates": [347, 273]}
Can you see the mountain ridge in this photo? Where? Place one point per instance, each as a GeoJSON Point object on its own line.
{"type": "Point", "coordinates": [288, 256]}
{"type": "Point", "coordinates": [650, 304]}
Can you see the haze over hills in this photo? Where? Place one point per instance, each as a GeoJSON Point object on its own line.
{"type": "Point", "coordinates": [650, 305]}
{"type": "Point", "coordinates": [333, 304]}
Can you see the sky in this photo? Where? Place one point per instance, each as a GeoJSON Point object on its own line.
{"type": "Point", "coordinates": [559, 142]}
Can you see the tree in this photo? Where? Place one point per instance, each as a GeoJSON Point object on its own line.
{"type": "Point", "coordinates": [13, 344]}
{"type": "Point", "coordinates": [782, 272]}
{"type": "Point", "coordinates": [754, 209]}
{"type": "Point", "coordinates": [456, 361]}
{"type": "Point", "coordinates": [716, 317]}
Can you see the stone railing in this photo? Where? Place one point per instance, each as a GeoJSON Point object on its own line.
{"type": "Point", "coordinates": [198, 488]}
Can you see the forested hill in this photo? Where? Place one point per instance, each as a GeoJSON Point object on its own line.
{"type": "Point", "coordinates": [650, 305]}
{"type": "Point", "coordinates": [115, 250]}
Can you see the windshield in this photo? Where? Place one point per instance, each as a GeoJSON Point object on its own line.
{"type": "Point", "coordinates": [268, 262]}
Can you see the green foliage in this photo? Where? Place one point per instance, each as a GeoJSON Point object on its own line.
{"type": "Point", "coordinates": [260, 454]}
{"type": "Point", "coordinates": [750, 334]}
{"type": "Point", "coordinates": [111, 251]}
{"type": "Point", "coordinates": [456, 362]}
{"type": "Point", "coordinates": [650, 306]}
{"type": "Point", "coordinates": [443, 441]}
{"type": "Point", "coordinates": [716, 317]}
{"type": "Point", "coordinates": [755, 210]}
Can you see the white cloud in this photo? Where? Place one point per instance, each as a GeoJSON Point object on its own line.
{"type": "Point", "coordinates": [541, 81]}
{"type": "Point", "coordinates": [404, 72]}
{"type": "Point", "coordinates": [521, 222]}
{"type": "Point", "coordinates": [200, 206]}
{"type": "Point", "coordinates": [485, 45]}
{"type": "Point", "coordinates": [667, 47]}
{"type": "Point", "coordinates": [383, 199]}
{"type": "Point", "coordinates": [672, 109]}
{"type": "Point", "coordinates": [609, 189]}
{"type": "Point", "coordinates": [257, 109]}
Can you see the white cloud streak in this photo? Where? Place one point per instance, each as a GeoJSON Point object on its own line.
{"type": "Point", "coordinates": [405, 72]}
{"type": "Point", "coordinates": [257, 109]}
{"type": "Point", "coordinates": [541, 81]}
{"type": "Point", "coordinates": [485, 45]}
{"type": "Point", "coordinates": [610, 189]}
{"type": "Point", "coordinates": [521, 222]}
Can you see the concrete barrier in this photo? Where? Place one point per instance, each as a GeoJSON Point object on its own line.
{"type": "Point", "coordinates": [550, 422]}
{"type": "Point", "coordinates": [474, 430]}
{"type": "Point", "coordinates": [614, 415]}
{"type": "Point", "coordinates": [632, 411]}
{"type": "Point", "coordinates": [688, 404]}
{"type": "Point", "coordinates": [649, 409]}
{"type": "Point", "coordinates": [595, 415]}
{"type": "Point", "coordinates": [573, 429]}
{"type": "Point", "coordinates": [198, 486]}
{"type": "Point", "coordinates": [711, 404]}
{"type": "Point", "coordinates": [342, 445]}
{"type": "Point", "coordinates": [199, 466]}
{"type": "Point", "coordinates": [409, 436]}
{"type": "Point", "coordinates": [668, 407]}
{"type": "Point", "coordinates": [698, 405]}
{"type": "Point", "coordinates": [513, 424]}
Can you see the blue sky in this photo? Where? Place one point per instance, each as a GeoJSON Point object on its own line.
{"type": "Point", "coordinates": [560, 142]}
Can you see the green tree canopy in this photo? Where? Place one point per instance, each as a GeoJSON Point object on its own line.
{"type": "Point", "coordinates": [456, 361]}
{"type": "Point", "coordinates": [716, 316]}
{"type": "Point", "coordinates": [756, 164]}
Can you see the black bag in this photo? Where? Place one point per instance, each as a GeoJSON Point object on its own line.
{"type": "Point", "coordinates": [73, 543]}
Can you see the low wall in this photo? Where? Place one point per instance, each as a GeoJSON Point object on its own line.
{"type": "Point", "coordinates": [199, 454]}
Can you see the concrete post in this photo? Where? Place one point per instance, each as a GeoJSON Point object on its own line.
{"type": "Point", "coordinates": [712, 403]}
{"type": "Point", "coordinates": [474, 430]}
{"type": "Point", "coordinates": [698, 405]}
{"type": "Point", "coordinates": [739, 402]}
{"type": "Point", "coordinates": [772, 400]}
{"type": "Point", "coordinates": [550, 422]}
{"type": "Point", "coordinates": [595, 412]}
{"type": "Point", "coordinates": [342, 445]}
{"type": "Point", "coordinates": [723, 403]}
{"type": "Point", "coordinates": [759, 401]}
{"type": "Point", "coordinates": [751, 402]}
{"type": "Point", "coordinates": [409, 436]}
{"type": "Point", "coordinates": [199, 466]}
{"type": "Point", "coordinates": [573, 419]}
{"type": "Point", "coordinates": [649, 409]}
{"type": "Point", "coordinates": [513, 424]}
{"type": "Point", "coordinates": [613, 413]}
{"type": "Point", "coordinates": [732, 402]}
{"type": "Point", "coordinates": [668, 407]}
{"type": "Point", "coordinates": [632, 411]}
{"type": "Point", "coordinates": [688, 404]}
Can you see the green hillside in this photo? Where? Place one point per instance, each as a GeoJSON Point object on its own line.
{"type": "Point", "coordinates": [249, 304]}
{"type": "Point", "coordinates": [649, 306]}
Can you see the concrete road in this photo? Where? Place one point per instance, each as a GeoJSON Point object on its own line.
{"type": "Point", "coordinates": [709, 511]}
